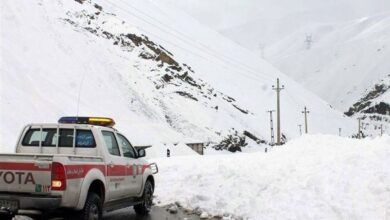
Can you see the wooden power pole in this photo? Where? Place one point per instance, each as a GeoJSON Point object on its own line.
{"type": "Point", "coordinates": [278, 88]}
{"type": "Point", "coordinates": [359, 128]}
{"type": "Point", "coordinates": [306, 112]}
{"type": "Point", "coordinates": [308, 41]}
{"type": "Point", "coordinates": [300, 129]}
{"type": "Point", "coordinates": [381, 130]}
{"type": "Point", "coordinates": [272, 127]}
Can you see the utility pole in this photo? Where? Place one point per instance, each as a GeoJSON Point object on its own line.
{"type": "Point", "coordinates": [381, 130]}
{"type": "Point", "coordinates": [359, 130]}
{"type": "Point", "coordinates": [339, 131]}
{"type": "Point", "coordinates": [278, 89]}
{"type": "Point", "coordinates": [305, 112]}
{"type": "Point", "coordinates": [272, 127]}
{"type": "Point", "coordinates": [262, 48]}
{"type": "Point", "coordinates": [300, 129]}
{"type": "Point", "coordinates": [308, 41]}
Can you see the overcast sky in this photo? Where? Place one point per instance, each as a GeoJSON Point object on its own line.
{"type": "Point", "coordinates": [222, 14]}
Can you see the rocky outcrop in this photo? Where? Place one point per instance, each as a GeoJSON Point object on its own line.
{"type": "Point", "coordinates": [166, 73]}
{"type": "Point", "coordinates": [368, 105]}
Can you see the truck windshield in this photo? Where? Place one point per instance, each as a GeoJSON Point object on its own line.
{"type": "Point", "coordinates": [48, 138]}
{"type": "Point", "coordinates": [127, 149]}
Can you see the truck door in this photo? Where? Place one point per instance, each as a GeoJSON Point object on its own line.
{"type": "Point", "coordinates": [116, 168]}
{"type": "Point", "coordinates": [134, 171]}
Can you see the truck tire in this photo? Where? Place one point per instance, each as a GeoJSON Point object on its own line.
{"type": "Point", "coordinates": [147, 200]}
{"type": "Point", "coordinates": [6, 217]}
{"type": "Point", "coordinates": [92, 209]}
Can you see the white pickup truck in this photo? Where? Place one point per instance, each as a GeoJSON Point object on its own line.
{"type": "Point", "coordinates": [80, 164]}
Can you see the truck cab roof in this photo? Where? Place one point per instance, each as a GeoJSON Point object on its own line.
{"type": "Point", "coordinates": [59, 138]}
{"type": "Point", "coordinates": [70, 125]}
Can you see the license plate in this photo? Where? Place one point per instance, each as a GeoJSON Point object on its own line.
{"type": "Point", "coordinates": [10, 205]}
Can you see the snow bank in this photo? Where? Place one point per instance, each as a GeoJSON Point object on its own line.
{"type": "Point", "coordinates": [178, 149]}
{"type": "Point", "coordinates": [313, 177]}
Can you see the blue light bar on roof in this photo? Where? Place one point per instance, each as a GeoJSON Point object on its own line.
{"type": "Point", "coordinates": [100, 121]}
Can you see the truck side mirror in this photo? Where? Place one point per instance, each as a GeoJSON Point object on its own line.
{"type": "Point", "coordinates": [141, 152]}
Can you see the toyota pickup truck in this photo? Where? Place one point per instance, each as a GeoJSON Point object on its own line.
{"type": "Point", "coordinates": [80, 164]}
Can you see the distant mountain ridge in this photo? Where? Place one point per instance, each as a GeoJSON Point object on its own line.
{"type": "Point", "coordinates": [347, 64]}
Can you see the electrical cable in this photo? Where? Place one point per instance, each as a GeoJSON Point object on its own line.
{"type": "Point", "coordinates": [253, 77]}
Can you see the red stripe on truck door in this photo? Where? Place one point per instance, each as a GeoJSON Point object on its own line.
{"type": "Point", "coordinates": [144, 167]}
{"type": "Point", "coordinates": [116, 170]}
{"type": "Point", "coordinates": [80, 171]}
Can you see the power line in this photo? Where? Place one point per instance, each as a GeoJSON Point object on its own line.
{"type": "Point", "coordinates": [189, 42]}
{"type": "Point", "coordinates": [292, 98]}
{"type": "Point", "coordinates": [185, 38]}
{"type": "Point", "coordinates": [256, 77]}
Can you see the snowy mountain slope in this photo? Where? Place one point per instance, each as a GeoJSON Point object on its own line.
{"type": "Point", "coordinates": [222, 14]}
{"type": "Point", "coordinates": [261, 34]}
{"type": "Point", "coordinates": [357, 51]}
{"type": "Point", "coordinates": [350, 58]}
{"type": "Point", "coordinates": [348, 54]}
{"type": "Point", "coordinates": [254, 22]}
{"type": "Point", "coordinates": [120, 64]}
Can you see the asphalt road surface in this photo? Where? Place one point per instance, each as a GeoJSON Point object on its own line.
{"type": "Point", "coordinates": [157, 213]}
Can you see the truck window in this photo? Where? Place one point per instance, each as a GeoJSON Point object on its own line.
{"type": "Point", "coordinates": [66, 138]}
{"type": "Point", "coordinates": [33, 137]}
{"type": "Point", "coordinates": [127, 149]}
{"type": "Point", "coordinates": [84, 138]}
{"type": "Point", "coordinates": [111, 144]}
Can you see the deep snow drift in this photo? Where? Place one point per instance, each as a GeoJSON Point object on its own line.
{"type": "Point", "coordinates": [313, 177]}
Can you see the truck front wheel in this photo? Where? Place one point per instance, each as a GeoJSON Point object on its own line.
{"type": "Point", "coordinates": [147, 200]}
{"type": "Point", "coordinates": [6, 217]}
{"type": "Point", "coordinates": [92, 208]}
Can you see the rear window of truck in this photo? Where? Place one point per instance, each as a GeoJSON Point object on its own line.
{"type": "Point", "coordinates": [48, 138]}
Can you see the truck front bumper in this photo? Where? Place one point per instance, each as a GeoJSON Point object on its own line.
{"type": "Point", "coordinates": [29, 202]}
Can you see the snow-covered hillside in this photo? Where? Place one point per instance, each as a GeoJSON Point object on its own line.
{"type": "Point", "coordinates": [347, 64]}
{"type": "Point", "coordinates": [254, 23]}
{"type": "Point", "coordinates": [162, 75]}
{"type": "Point", "coordinates": [313, 177]}
{"type": "Point", "coordinates": [348, 57]}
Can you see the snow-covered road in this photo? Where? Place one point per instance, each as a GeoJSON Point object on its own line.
{"type": "Point", "coordinates": [313, 177]}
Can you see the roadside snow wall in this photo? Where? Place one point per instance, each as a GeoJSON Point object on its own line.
{"type": "Point", "coordinates": [313, 177]}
